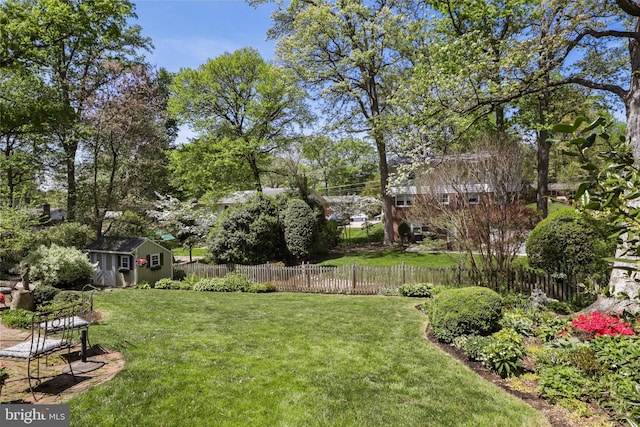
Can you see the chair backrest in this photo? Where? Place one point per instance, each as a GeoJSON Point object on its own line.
{"type": "Point", "coordinates": [54, 328]}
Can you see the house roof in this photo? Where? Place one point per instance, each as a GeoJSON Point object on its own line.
{"type": "Point", "coordinates": [124, 245]}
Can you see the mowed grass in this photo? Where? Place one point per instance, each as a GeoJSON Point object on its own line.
{"type": "Point", "coordinates": [185, 252]}
{"type": "Point", "coordinates": [394, 256]}
{"type": "Point", "coordinates": [214, 359]}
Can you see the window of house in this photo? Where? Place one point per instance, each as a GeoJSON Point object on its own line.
{"type": "Point", "coordinates": [404, 200]}
{"type": "Point", "coordinates": [443, 198]}
{"type": "Point", "coordinates": [474, 198]}
{"type": "Point", "coordinates": [155, 260]}
{"type": "Point", "coordinates": [124, 262]}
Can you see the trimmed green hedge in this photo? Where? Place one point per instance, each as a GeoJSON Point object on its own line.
{"type": "Point", "coordinates": [465, 311]}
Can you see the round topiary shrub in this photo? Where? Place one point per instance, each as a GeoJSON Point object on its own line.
{"type": "Point", "coordinates": [465, 311]}
{"type": "Point", "coordinates": [569, 244]}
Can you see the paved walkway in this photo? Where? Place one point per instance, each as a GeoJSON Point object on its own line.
{"type": "Point", "coordinates": [56, 386]}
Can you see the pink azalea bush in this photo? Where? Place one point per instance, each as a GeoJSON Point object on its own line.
{"type": "Point", "coordinates": [596, 324]}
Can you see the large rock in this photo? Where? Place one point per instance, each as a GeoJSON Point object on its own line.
{"type": "Point", "coordinates": [22, 299]}
{"type": "Point", "coordinates": [615, 305]}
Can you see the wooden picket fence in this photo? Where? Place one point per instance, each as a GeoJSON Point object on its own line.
{"type": "Point", "coordinates": [360, 280]}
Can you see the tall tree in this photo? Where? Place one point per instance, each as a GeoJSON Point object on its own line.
{"type": "Point", "coordinates": [25, 109]}
{"type": "Point", "coordinates": [355, 55]}
{"type": "Point", "coordinates": [123, 143]}
{"type": "Point", "coordinates": [77, 36]}
{"type": "Point", "coordinates": [242, 107]}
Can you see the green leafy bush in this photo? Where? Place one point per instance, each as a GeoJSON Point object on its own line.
{"type": "Point", "coordinates": [236, 282]}
{"type": "Point", "coordinates": [563, 382]}
{"type": "Point", "coordinates": [17, 318]}
{"type": "Point", "coordinates": [59, 267]}
{"type": "Point", "coordinates": [67, 297]}
{"type": "Point", "coordinates": [569, 243]}
{"type": "Point", "coordinates": [504, 356]}
{"type": "Point", "coordinates": [179, 274]}
{"type": "Point", "coordinates": [518, 321]}
{"type": "Point", "coordinates": [43, 294]}
{"type": "Point", "coordinates": [465, 311]}
{"type": "Point", "coordinates": [210, 285]}
{"type": "Point", "coordinates": [619, 354]}
{"type": "Point", "coordinates": [299, 228]}
{"type": "Point", "coordinates": [143, 285]}
{"type": "Point", "coordinates": [422, 290]}
{"type": "Point", "coordinates": [250, 233]}
{"type": "Point", "coordinates": [259, 288]}
{"type": "Point", "coordinates": [474, 347]}
{"type": "Point", "coordinates": [166, 283]}
{"type": "Point", "coordinates": [68, 234]}
{"type": "Point", "coordinates": [550, 327]}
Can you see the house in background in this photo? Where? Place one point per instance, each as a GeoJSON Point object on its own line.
{"type": "Point", "coordinates": [455, 181]}
{"type": "Point", "coordinates": [124, 262]}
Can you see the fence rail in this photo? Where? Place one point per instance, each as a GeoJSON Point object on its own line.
{"type": "Point", "coordinates": [360, 280]}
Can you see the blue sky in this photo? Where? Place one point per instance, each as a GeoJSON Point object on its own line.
{"type": "Point", "coordinates": [186, 33]}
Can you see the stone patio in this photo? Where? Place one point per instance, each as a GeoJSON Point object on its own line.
{"type": "Point", "coordinates": [57, 385]}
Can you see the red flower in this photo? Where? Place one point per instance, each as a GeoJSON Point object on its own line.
{"type": "Point", "coordinates": [596, 324]}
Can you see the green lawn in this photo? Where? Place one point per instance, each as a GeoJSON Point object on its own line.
{"type": "Point", "coordinates": [396, 256]}
{"type": "Point", "coordinates": [185, 252]}
{"type": "Point", "coordinates": [214, 359]}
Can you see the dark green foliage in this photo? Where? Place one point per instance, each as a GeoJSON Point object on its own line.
{"type": "Point", "coordinates": [416, 290]}
{"type": "Point", "coordinates": [43, 294]}
{"type": "Point", "coordinates": [404, 231]}
{"type": "Point", "coordinates": [465, 311]}
{"type": "Point", "coordinates": [249, 234]}
{"type": "Point", "coordinates": [17, 318]}
{"type": "Point", "coordinates": [68, 234]}
{"type": "Point", "coordinates": [67, 297]}
{"type": "Point", "coordinates": [266, 229]}
{"type": "Point", "coordinates": [259, 288]}
{"type": "Point", "coordinates": [571, 245]}
{"type": "Point", "coordinates": [299, 228]}
{"type": "Point", "coordinates": [179, 274]}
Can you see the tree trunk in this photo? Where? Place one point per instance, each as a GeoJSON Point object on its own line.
{"type": "Point", "coordinates": [387, 200]}
{"type": "Point", "coordinates": [255, 171]}
{"type": "Point", "coordinates": [621, 281]}
{"type": "Point", "coordinates": [70, 149]}
{"type": "Point", "coordinates": [544, 148]}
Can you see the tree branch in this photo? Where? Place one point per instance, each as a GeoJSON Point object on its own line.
{"type": "Point", "coordinates": [630, 7]}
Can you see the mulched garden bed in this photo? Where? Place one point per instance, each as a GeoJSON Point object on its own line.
{"type": "Point", "coordinates": [557, 416]}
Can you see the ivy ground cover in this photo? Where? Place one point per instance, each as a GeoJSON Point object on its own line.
{"type": "Point", "coordinates": [195, 359]}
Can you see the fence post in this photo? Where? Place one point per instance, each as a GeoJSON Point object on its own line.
{"type": "Point", "coordinates": [403, 273]}
{"type": "Point", "coordinates": [353, 275]}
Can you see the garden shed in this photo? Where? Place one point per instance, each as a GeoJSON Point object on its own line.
{"type": "Point", "coordinates": [124, 262]}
